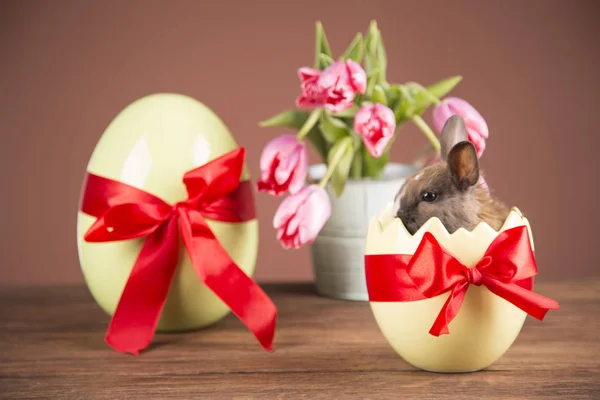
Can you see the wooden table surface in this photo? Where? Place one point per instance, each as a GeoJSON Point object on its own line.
{"type": "Point", "coordinates": [52, 347]}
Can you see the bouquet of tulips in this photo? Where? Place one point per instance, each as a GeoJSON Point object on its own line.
{"type": "Point", "coordinates": [351, 114]}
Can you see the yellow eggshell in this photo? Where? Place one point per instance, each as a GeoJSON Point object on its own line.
{"type": "Point", "coordinates": [486, 325]}
{"type": "Point", "coordinates": [150, 145]}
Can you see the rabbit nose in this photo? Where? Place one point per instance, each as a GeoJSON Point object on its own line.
{"type": "Point", "coordinates": [406, 217]}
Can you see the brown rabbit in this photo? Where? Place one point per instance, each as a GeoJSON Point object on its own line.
{"type": "Point", "coordinates": [450, 190]}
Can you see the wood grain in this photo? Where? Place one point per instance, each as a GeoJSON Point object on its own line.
{"type": "Point", "coordinates": [51, 347]}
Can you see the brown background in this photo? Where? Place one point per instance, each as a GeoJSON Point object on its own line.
{"type": "Point", "coordinates": [67, 68]}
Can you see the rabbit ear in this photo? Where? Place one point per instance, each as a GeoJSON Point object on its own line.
{"type": "Point", "coordinates": [463, 165]}
{"type": "Point", "coordinates": [454, 132]}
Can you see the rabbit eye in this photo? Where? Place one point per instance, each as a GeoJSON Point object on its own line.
{"type": "Point", "coordinates": [429, 197]}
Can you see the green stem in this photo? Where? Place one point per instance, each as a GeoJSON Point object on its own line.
{"type": "Point", "coordinates": [310, 122]}
{"type": "Point", "coordinates": [427, 131]}
{"type": "Point", "coordinates": [330, 168]}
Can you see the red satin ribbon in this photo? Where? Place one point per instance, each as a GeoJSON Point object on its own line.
{"type": "Point", "coordinates": [506, 269]}
{"type": "Point", "coordinates": [124, 212]}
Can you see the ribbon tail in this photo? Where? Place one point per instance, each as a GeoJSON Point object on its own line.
{"type": "Point", "coordinates": [450, 310]}
{"type": "Point", "coordinates": [219, 272]}
{"type": "Point", "coordinates": [532, 303]}
{"type": "Point", "coordinates": [133, 324]}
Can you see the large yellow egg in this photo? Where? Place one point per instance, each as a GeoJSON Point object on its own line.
{"type": "Point", "coordinates": [150, 145]}
{"type": "Point", "coordinates": [486, 325]}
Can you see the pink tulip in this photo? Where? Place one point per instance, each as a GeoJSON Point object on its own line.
{"type": "Point", "coordinates": [334, 88]}
{"type": "Point", "coordinates": [312, 95]}
{"type": "Point", "coordinates": [357, 76]}
{"type": "Point", "coordinates": [376, 124]}
{"type": "Point", "coordinates": [477, 128]}
{"type": "Point", "coordinates": [283, 166]}
{"type": "Point", "coordinates": [340, 82]}
{"type": "Point", "coordinates": [301, 216]}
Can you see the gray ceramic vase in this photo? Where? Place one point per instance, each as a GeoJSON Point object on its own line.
{"type": "Point", "coordinates": [338, 251]}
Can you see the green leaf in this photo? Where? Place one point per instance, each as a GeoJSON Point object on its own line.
{"type": "Point", "coordinates": [315, 137]}
{"type": "Point", "coordinates": [321, 45]}
{"type": "Point", "coordinates": [333, 129]}
{"type": "Point", "coordinates": [356, 167]}
{"type": "Point", "coordinates": [392, 94]}
{"type": "Point", "coordinates": [325, 60]}
{"type": "Point", "coordinates": [371, 81]}
{"type": "Point", "coordinates": [310, 122]}
{"type": "Point", "coordinates": [382, 59]}
{"type": "Point", "coordinates": [374, 38]}
{"type": "Point", "coordinates": [379, 95]}
{"type": "Point", "coordinates": [341, 155]}
{"type": "Point", "coordinates": [443, 87]}
{"type": "Point", "coordinates": [375, 55]}
{"type": "Point", "coordinates": [413, 100]}
{"type": "Point", "coordinates": [370, 45]}
{"type": "Point", "coordinates": [419, 89]}
{"type": "Point", "coordinates": [290, 118]}
{"type": "Point", "coordinates": [405, 106]}
{"type": "Point", "coordinates": [347, 113]}
{"type": "Point", "coordinates": [373, 167]}
{"type": "Point", "coordinates": [422, 97]}
{"type": "Point", "coordinates": [355, 49]}
{"type": "Point", "coordinates": [370, 64]}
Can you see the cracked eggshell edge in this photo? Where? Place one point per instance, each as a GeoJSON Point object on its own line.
{"type": "Point", "coordinates": [486, 325]}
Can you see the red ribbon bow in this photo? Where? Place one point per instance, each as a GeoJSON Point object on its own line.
{"type": "Point", "coordinates": [124, 212]}
{"type": "Point", "coordinates": [506, 269]}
